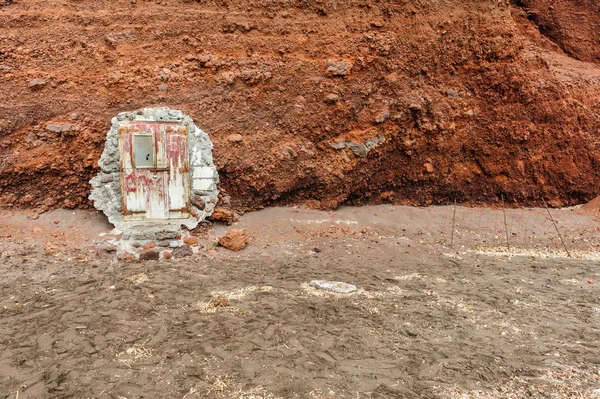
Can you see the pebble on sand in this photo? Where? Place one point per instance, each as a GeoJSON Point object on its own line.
{"type": "Point", "coordinates": [333, 286]}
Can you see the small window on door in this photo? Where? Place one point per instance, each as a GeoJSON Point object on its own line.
{"type": "Point", "coordinates": [143, 150]}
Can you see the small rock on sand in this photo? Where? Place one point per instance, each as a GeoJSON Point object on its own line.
{"type": "Point", "coordinates": [36, 84]}
{"type": "Point", "coordinates": [234, 240]}
{"type": "Point", "coordinates": [333, 286]}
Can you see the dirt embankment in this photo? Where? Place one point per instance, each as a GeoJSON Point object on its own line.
{"type": "Point", "coordinates": [320, 102]}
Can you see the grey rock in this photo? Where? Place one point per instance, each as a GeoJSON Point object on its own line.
{"type": "Point", "coordinates": [370, 143]}
{"type": "Point", "coordinates": [163, 243]}
{"type": "Point", "coordinates": [106, 179]}
{"type": "Point", "coordinates": [382, 117]}
{"type": "Point", "coordinates": [166, 235]}
{"type": "Point", "coordinates": [5, 68]}
{"type": "Point", "coordinates": [453, 93]}
{"type": "Point", "coordinates": [332, 98]}
{"type": "Point", "coordinates": [198, 202]}
{"type": "Point", "coordinates": [37, 84]}
{"type": "Point", "coordinates": [164, 74]}
{"type": "Point", "coordinates": [204, 58]}
{"type": "Point", "coordinates": [339, 145]}
{"type": "Point", "coordinates": [358, 149]}
{"type": "Point", "coordinates": [174, 244]}
{"type": "Point", "coordinates": [339, 67]}
{"type": "Point", "coordinates": [333, 286]}
{"type": "Point", "coordinates": [59, 127]}
{"type": "Point", "coordinates": [31, 137]}
{"type": "Point", "coordinates": [182, 252]}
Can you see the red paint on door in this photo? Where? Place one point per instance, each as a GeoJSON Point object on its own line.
{"type": "Point", "coordinates": [154, 170]}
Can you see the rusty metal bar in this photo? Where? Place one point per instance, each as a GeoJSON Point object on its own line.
{"type": "Point", "coordinates": [556, 227]}
{"type": "Point", "coordinates": [505, 225]}
{"type": "Point", "coordinates": [453, 220]}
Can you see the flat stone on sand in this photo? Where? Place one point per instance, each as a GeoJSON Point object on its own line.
{"type": "Point", "coordinates": [333, 286]}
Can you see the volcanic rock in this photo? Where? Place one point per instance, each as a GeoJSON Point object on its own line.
{"type": "Point", "coordinates": [234, 240]}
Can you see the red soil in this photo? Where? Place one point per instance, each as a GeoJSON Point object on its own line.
{"type": "Point", "coordinates": [475, 100]}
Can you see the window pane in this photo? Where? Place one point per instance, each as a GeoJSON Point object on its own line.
{"type": "Point", "coordinates": [142, 150]}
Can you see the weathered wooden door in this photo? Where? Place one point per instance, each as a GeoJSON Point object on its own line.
{"type": "Point", "coordinates": [155, 181]}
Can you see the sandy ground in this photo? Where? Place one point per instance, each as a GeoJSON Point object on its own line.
{"type": "Point", "coordinates": [427, 321]}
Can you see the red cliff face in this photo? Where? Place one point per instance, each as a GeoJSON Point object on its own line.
{"type": "Point", "coordinates": [316, 102]}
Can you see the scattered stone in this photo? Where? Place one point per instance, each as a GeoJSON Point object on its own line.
{"type": "Point", "coordinates": [150, 255]}
{"type": "Point", "coordinates": [33, 215]}
{"type": "Point", "coordinates": [474, 111]}
{"type": "Point", "coordinates": [174, 244]}
{"type": "Point", "coordinates": [453, 93]}
{"type": "Point", "coordinates": [37, 84]}
{"type": "Point", "coordinates": [167, 255]}
{"type": "Point", "coordinates": [4, 68]}
{"type": "Point", "coordinates": [428, 166]}
{"type": "Point", "coordinates": [182, 252]}
{"type": "Point", "coordinates": [377, 23]}
{"type": "Point", "coordinates": [31, 137]}
{"type": "Point", "coordinates": [150, 245]}
{"type": "Point", "coordinates": [190, 240]}
{"type": "Point", "coordinates": [56, 221]}
{"type": "Point", "coordinates": [333, 286]}
{"type": "Point", "coordinates": [164, 243]}
{"type": "Point", "coordinates": [382, 117]}
{"type": "Point", "coordinates": [316, 250]}
{"type": "Point", "coordinates": [234, 240]}
{"type": "Point", "coordinates": [163, 87]}
{"type": "Point", "coordinates": [204, 58]}
{"type": "Point", "coordinates": [235, 138]}
{"type": "Point", "coordinates": [164, 74]}
{"type": "Point", "coordinates": [590, 281]}
{"type": "Point", "coordinates": [59, 127]}
{"type": "Point", "coordinates": [339, 67]}
{"type": "Point", "coordinates": [332, 98]}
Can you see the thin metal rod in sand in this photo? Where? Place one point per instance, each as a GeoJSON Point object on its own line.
{"type": "Point", "coordinates": [556, 227]}
{"type": "Point", "coordinates": [505, 226]}
{"type": "Point", "coordinates": [453, 220]}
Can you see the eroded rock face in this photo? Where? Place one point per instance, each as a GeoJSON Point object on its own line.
{"type": "Point", "coordinates": [573, 25]}
{"type": "Point", "coordinates": [475, 88]}
{"type": "Point", "coordinates": [106, 186]}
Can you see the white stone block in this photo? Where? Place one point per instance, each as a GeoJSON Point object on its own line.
{"type": "Point", "coordinates": [203, 184]}
{"type": "Point", "coordinates": [203, 172]}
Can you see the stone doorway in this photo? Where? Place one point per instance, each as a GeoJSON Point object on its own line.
{"type": "Point", "coordinates": [156, 169]}
{"type": "Point", "coordinates": [155, 178]}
